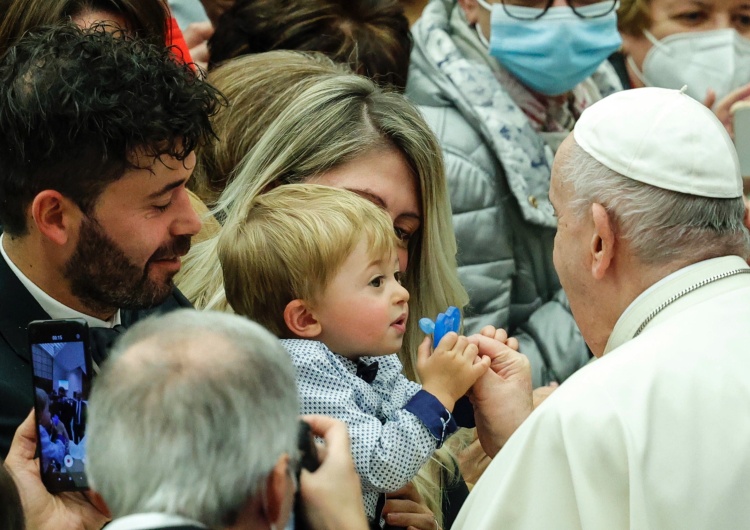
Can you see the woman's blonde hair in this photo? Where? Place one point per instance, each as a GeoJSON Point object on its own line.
{"type": "Point", "coordinates": [325, 124]}
{"type": "Point", "coordinates": [633, 16]}
{"type": "Point", "coordinates": [328, 120]}
{"type": "Point", "coordinates": [258, 87]}
{"type": "Point", "coordinates": [290, 242]}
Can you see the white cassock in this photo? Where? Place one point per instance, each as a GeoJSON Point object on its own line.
{"type": "Point", "coordinates": [654, 435]}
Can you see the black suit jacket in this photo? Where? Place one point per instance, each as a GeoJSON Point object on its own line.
{"type": "Point", "coordinates": [17, 309]}
{"type": "Point", "coordinates": [66, 413]}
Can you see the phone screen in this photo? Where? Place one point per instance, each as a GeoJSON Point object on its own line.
{"type": "Point", "coordinates": [62, 382]}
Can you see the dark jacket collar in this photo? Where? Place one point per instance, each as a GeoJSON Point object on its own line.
{"type": "Point", "coordinates": [17, 309]}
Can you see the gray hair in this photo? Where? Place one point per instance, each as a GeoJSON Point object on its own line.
{"type": "Point", "coordinates": [194, 419]}
{"type": "Point", "coordinates": [661, 226]}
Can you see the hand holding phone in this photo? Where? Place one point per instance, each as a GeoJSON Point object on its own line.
{"type": "Point", "coordinates": [42, 509]}
{"type": "Point", "coordinates": [61, 367]}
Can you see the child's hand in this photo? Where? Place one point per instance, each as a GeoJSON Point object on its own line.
{"type": "Point", "coordinates": [449, 371]}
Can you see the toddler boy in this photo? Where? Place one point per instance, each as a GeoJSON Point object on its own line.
{"type": "Point", "coordinates": [317, 266]}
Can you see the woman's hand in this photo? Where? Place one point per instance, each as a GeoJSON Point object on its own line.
{"type": "Point", "coordinates": [43, 510]}
{"type": "Point", "coordinates": [472, 461]}
{"type": "Point", "coordinates": [723, 107]}
{"type": "Point", "coordinates": [405, 508]}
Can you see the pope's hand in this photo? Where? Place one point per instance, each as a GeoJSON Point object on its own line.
{"type": "Point", "coordinates": [502, 396]}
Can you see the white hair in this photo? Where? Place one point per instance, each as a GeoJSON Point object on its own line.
{"type": "Point", "coordinates": [661, 226]}
{"type": "Point", "coordinates": [193, 418]}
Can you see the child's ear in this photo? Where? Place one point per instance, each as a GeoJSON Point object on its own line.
{"type": "Point", "coordinates": [301, 321]}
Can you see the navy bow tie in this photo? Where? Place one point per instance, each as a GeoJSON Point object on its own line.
{"type": "Point", "coordinates": [367, 372]}
{"type": "Point", "coordinates": [102, 340]}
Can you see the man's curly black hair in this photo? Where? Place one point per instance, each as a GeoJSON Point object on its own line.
{"type": "Point", "coordinates": [76, 105]}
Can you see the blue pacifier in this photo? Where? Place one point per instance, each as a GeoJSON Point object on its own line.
{"type": "Point", "coordinates": [444, 323]}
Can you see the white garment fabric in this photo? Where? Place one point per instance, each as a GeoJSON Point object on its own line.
{"type": "Point", "coordinates": [148, 521]}
{"type": "Point", "coordinates": [699, 159]}
{"type": "Point", "coordinates": [653, 435]}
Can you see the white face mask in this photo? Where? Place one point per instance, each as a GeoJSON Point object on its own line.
{"type": "Point", "coordinates": [718, 59]}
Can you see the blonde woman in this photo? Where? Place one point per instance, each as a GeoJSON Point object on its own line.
{"type": "Point", "coordinates": [338, 129]}
{"type": "Point", "coordinates": [258, 87]}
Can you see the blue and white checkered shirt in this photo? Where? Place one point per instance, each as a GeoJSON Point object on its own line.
{"type": "Point", "coordinates": [394, 425]}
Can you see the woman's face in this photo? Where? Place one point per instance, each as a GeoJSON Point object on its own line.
{"type": "Point", "coordinates": [383, 177]}
{"type": "Point", "coordinates": [476, 14]}
{"type": "Point", "coordinates": [669, 17]}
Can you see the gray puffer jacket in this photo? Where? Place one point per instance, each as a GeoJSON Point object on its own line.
{"type": "Point", "coordinates": [498, 171]}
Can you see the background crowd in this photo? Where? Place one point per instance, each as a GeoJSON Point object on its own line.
{"type": "Point", "coordinates": [159, 155]}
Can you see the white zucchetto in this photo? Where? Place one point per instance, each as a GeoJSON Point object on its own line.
{"type": "Point", "coordinates": [664, 138]}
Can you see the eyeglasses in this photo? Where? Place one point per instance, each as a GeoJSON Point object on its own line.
{"type": "Point", "coordinates": [535, 9]}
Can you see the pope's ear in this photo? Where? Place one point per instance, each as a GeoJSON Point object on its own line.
{"type": "Point", "coordinates": [300, 320]}
{"type": "Point", "coordinates": [55, 216]}
{"type": "Point", "coordinates": [602, 242]}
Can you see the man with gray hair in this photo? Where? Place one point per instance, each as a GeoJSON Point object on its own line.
{"type": "Point", "coordinates": [193, 424]}
{"type": "Point", "coordinates": [194, 421]}
{"type": "Point", "coordinates": [651, 250]}
{"type": "Point", "coordinates": [194, 416]}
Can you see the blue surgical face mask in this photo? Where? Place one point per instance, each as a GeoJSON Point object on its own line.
{"type": "Point", "coordinates": [554, 53]}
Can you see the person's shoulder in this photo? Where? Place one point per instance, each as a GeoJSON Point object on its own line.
{"type": "Point", "coordinates": [454, 132]}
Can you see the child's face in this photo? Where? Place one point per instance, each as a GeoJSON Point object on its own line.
{"type": "Point", "coordinates": [363, 310]}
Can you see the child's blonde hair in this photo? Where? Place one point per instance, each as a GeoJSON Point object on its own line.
{"type": "Point", "coordinates": [290, 242]}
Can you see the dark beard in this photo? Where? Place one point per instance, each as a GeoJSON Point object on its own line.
{"type": "Point", "coordinates": [103, 278]}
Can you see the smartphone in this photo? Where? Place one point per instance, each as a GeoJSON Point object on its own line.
{"type": "Point", "coordinates": [61, 367]}
{"type": "Point", "coordinates": [741, 122]}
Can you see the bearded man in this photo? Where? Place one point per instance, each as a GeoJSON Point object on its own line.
{"type": "Point", "coordinates": [98, 137]}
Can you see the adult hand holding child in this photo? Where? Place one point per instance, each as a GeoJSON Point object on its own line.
{"type": "Point", "coordinates": [502, 396]}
